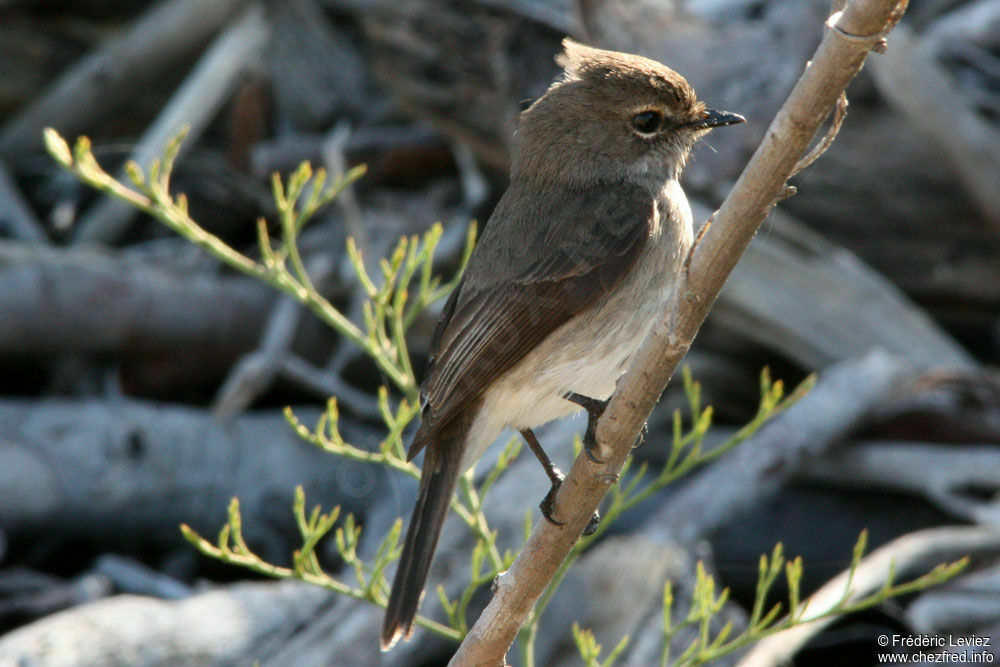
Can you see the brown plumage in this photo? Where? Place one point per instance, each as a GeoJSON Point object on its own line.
{"type": "Point", "coordinates": [572, 269]}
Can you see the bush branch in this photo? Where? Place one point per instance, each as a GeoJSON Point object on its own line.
{"type": "Point", "coordinates": [904, 555]}
{"type": "Point", "coordinates": [849, 37]}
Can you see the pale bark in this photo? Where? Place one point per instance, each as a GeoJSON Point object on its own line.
{"type": "Point", "coordinates": [837, 61]}
{"type": "Point", "coordinates": [83, 301]}
{"type": "Point", "coordinates": [129, 472]}
{"type": "Point", "coordinates": [226, 626]}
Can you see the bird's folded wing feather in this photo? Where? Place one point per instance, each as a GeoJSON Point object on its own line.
{"type": "Point", "coordinates": [526, 280]}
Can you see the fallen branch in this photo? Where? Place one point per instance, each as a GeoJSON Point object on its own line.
{"type": "Point", "coordinates": [129, 471]}
{"type": "Point", "coordinates": [904, 555]}
{"type": "Point", "coordinates": [929, 98]}
{"type": "Point", "coordinates": [850, 36]}
{"type": "Point", "coordinates": [841, 398]}
{"type": "Point", "coordinates": [193, 105]}
{"type": "Point", "coordinates": [252, 375]}
{"type": "Point", "coordinates": [123, 304]}
{"type": "Point", "coordinates": [118, 72]}
{"type": "Point", "coordinates": [817, 303]}
{"type": "Point", "coordinates": [962, 480]}
{"type": "Point", "coordinates": [229, 625]}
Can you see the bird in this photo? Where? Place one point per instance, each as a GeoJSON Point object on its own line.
{"type": "Point", "coordinates": [574, 267]}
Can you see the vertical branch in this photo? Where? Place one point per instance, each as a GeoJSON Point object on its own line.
{"type": "Point", "coordinates": [849, 37]}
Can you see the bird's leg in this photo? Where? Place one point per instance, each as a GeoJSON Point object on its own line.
{"type": "Point", "coordinates": [595, 408]}
{"type": "Point", "coordinates": [554, 474]}
{"type": "Point", "coordinates": [556, 477]}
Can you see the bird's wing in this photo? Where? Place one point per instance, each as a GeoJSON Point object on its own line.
{"type": "Point", "coordinates": [524, 281]}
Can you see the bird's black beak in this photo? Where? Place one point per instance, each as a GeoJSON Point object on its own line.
{"type": "Point", "coordinates": [714, 118]}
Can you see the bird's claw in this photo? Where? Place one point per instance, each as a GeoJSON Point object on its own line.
{"type": "Point", "coordinates": [548, 504]}
{"type": "Point", "coordinates": [595, 408]}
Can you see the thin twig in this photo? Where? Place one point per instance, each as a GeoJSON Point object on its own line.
{"type": "Point", "coordinates": [253, 374]}
{"type": "Point", "coordinates": [336, 163]}
{"type": "Point", "coordinates": [325, 383]}
{"type": "Point", "coordinates": [335, 159]}
{"type": "Point", "coordinates": [839, 114]}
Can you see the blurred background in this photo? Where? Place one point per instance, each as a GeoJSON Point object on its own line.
{"type": "Point", "coordinates": [141, 384]}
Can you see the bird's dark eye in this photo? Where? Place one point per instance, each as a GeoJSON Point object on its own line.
{"type": "Point", "coordinates": [647, 122]}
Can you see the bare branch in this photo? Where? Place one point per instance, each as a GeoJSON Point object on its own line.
{"type": "Point", "coordinates": [193, 104]}
{"type": "Point", "coordinates": [839, 114]}
{"type": "Point", "coordinates": [843, 396]}
{"type": "Point", "coordinates": [255, 372]}
{"type": "Point", "coordinates": [837, 60]}
{"type": "Point", "coordinates": [125, 304]}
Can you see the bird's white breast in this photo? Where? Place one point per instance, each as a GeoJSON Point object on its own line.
{"type": "Point", "coordinates": [589, 353]}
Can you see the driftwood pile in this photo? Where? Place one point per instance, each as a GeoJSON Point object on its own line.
{"type": "Point", "coordinates": [141, 385]}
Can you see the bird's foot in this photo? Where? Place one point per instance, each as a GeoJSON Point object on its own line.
{"type": "Point", "coordinates": [595, 408]}
{"type": "Point", "coordinates": [548, 503]}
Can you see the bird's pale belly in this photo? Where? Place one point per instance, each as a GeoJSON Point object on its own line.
{"type": "Point", "coordinates": [586, 355]}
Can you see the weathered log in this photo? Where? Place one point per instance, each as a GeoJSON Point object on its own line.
{"type": "Point", "coordinates": [817, 303]}
{"type": "Point", "coordinates": [960, 480]}
{"type": "Point", "coordinates": [223, 626]}
{"type": "Point", "coordinates": [127, 473]}
{"type": "Point", "coordinates": [947, 405]}
{"type": "Point", "coordinates": [83, 302]}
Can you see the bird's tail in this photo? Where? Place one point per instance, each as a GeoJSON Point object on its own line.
{"type": "Point", "coordinates": [438, 479]}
